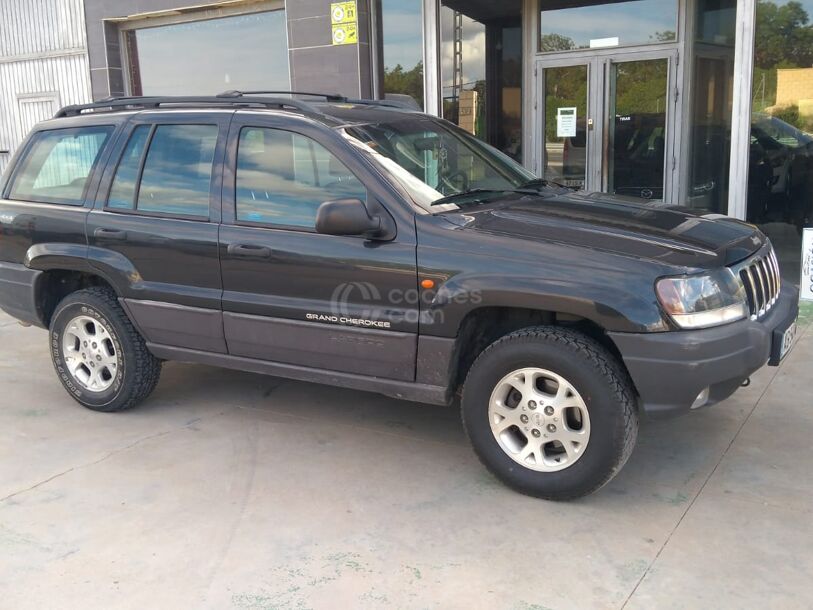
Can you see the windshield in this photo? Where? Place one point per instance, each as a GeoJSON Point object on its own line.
{"type": "Point", "coordinates": [434, 160]}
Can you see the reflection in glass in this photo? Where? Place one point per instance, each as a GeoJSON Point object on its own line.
{"type": "Point", "coordinates": [207, 57]}
{"type": "Point", "coordinates": [402, 47]}
{"type": "Point", "coordinates": [283, 178]}
{"type": "Point", "coordinates": [566, 138]}
{"type": "Point", "coordinates": [564, 27]}
{"type": "Point", "coordinates": [782, 128]}
{"type": "Point", "coordinates": [637, 136]}
{"type": "Point", "coordinates": [463, 70]}
{"type": "Point", "coordinates": [481, 70]}
{"type": "Point", "coordinates": [444, 159]}
{"type": "Point", "coordinates": [122, 193]}
{"type": "Point", "coordinates": [711, 105]}
{"type": "Point", "coordinates": [57, 165]}
{"type": "Point", "coordinates": [178, 170]}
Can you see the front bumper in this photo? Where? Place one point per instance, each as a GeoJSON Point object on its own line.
{"type": "Point", "coordinates": [670, 369]}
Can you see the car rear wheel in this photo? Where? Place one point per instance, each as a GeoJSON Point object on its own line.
{"type": "Point", "coordinates": [550, 412]}
{"type": "Point", "coordinates": [99, 356]}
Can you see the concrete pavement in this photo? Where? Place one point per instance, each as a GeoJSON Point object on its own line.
{"type": "Point", "coordinates": [233, 490]}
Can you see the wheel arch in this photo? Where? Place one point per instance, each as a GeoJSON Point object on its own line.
{"type": "Point", "coordinates": [484, 325]}
{"type": "Point", "coordinates": [69, 267]}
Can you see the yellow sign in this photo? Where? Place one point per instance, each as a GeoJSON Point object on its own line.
{"type": "Point", "coordinates": [343, 12]}
{"type": "Point", "coordinates": [346, 33]}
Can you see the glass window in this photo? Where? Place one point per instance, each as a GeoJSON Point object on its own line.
{"type": "Point", "coordinates": [712, 91]}
{"type": "Point", "coordinates": [432, 160]}
{"type": "Point", "coordinates": [58, 163]}
{"type": "Point", "coordinates": [178, 170]}
{"type": "Point", "coordinates": [402, 49]}
{"type": "Point", "coordinates": [463, 70]}
{"type": "Point", "coordinates": [565, 25]}
{"type": "Point", "coordinates": [122, 193]}
{"type": "Point", "coordinates": [283, 178]}
{"type": "Point", "coordinates": [780, 180]}
{"type": "Point", "coordinates": [637, 128]}
{"type": "Point", "coordinates": [566, 155]}
{"type": "Point", "coordinates": [206, 57]}
{"type": "Point", "coordinates": [481, 70]}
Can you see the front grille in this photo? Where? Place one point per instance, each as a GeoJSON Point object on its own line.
{"type": "Point", "coordinates": [760, 276]}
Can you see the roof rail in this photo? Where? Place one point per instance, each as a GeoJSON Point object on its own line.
{"type": "Point", "coordinates": [330, 97]}
{"type": "Point", "coordinates": [385, 103]}
{"type": "Point", "coordinates": [140, 102]}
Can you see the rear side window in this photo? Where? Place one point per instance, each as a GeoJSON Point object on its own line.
{"type": "Point", "coordinates": [57, 165]}
{"type": "Point", "coordinates": [122, 193]}
{"type": "Point", "coordinates": [176, 175]}
{"type": "Point", "coordinates": [283, 178]}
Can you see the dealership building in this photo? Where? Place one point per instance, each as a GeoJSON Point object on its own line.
{"type": "Point", "coordinates": [706, 103]}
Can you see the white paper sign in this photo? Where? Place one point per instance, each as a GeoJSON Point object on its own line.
{"type": "Point", "coordinates": [566, 122]}
{"type": "Point", "coordinates": [600, 43]}
{"type": "Point", "coordinates": [806, 286]}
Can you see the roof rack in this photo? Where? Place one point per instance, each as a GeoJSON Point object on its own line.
{"type": "Point", "coordinates": [138, 102]}
{"type": "Point", "coordinates": [330, 97]}
{"type": "Point", "coordinates": [227, 98]}
{"type": "Point", "coordinates": [385, 103]}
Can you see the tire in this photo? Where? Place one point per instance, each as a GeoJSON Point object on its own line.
{"type": "Point", "coordinates": [126, 373]}
{"type": "Point", "coordinates": [597, 407]}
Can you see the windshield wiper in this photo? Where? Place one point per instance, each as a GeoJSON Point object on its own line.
{"type": "Point", "coordinates": [454, 198]}
{"type": "Point", "coordinates": [544, 183]}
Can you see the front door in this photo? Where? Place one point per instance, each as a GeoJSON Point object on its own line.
{"type": "Point", "coordinates": [607, 122]}
{"type": "Point", "coordinates": [295, 296]}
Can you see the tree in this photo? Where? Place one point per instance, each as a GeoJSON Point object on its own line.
{"type": "Point", "coordinates": [556, 42]}
{"type": "Point", "coordinates": [783, 36]}
{"type": "Point", "coordinates": [410, 82]}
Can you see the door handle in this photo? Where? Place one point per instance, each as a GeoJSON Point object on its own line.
{"type": "Point", "coordinates": [110, 233]}
{"type": "Point", "coordinates": [249, 250]}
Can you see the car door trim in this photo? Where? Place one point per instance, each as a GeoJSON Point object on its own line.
{"type": "Point", "coordinates": [404, 390]}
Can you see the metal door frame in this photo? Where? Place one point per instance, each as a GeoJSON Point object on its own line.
{"type": "Point", "coordinates": [599, 63]}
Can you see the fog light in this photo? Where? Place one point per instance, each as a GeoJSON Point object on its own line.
{"type": "Point", "coordinates": [701, 399]}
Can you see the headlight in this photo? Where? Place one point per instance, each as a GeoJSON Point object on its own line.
{"type": "Point", "coordinates": [705, 300]}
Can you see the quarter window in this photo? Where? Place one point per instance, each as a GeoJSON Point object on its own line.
{"type": "Point", "coordinates": [58, 164]}
{"type": "Point", "coordinates": [176, 175]}
{"type": "Point", "coordinates": [122, 193]}
{"type": "Point", "coordinates": [283, 178]}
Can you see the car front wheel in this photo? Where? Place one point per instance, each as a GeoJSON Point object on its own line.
{"type": "Point", "coordinates": [550, 412]}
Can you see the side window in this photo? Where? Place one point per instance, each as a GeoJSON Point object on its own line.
{"type": "Point", "coordinates": [176, 175]}
{"type": "Point", "coordinates": [122, 192]}
{"type": "Point", "coordinates": [283, 178]}
{"type": "Point", "coordinates": [57, 166]}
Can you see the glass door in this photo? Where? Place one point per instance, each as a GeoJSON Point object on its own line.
{"type": "Point", "coordinates": [565, 93]}
{"type": "Point", "coordinates": [638, 101]}
{"type": "Point", "coordinates": [608, 121]}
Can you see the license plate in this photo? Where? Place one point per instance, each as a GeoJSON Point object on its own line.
{"type": "Point", "coordinates": [787, 340]}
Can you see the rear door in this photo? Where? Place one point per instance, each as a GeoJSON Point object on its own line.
{"type": "Point", "coordinates": [154, 228]}
{"type": "Point", "coordinates": [295, 296]}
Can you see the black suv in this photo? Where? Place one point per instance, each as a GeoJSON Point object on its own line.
{"type": "Point", "coordinates": [360, 244]}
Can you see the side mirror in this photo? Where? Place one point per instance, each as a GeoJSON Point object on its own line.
{"type": "Point", "coordinates": [346, 217]}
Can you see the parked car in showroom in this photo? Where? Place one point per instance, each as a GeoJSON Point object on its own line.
{"type": "Point", "coordinates": [360, 244]}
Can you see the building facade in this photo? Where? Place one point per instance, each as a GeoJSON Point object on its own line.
{"type": "Point", "coordinates": [43, 65]}
{"type": "Point", "coordinates": [705, 103]}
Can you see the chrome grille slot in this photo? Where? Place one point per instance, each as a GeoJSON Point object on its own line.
{"type": "Point", "coordinates": [760, 277]}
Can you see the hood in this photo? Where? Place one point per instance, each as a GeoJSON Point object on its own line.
{"type": "Point", "coordinates": [671, 235]}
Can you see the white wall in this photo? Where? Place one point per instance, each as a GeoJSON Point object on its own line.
{"type": "Point", "coordinates": [43, 65]}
